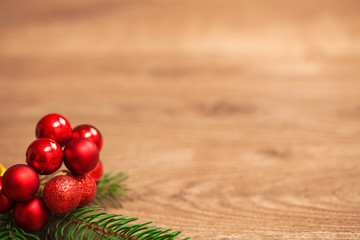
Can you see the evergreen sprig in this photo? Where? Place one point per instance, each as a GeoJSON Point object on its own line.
{"type": "Point", "coordinates": [9, 229]}
{"type": "Point", "coordinates": [112, 188]}
{"type": "Point", "coordinates": [88, 222]}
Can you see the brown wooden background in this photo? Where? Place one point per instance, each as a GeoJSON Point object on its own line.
{"type": "Point", "coordinates": [235, 119]}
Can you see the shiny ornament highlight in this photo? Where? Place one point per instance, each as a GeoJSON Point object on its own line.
{"type": "Point", "coordinates": [44, 155]}
{"type": "Point", "coordinates": [89, 132]}
{"type": "Point", "coordinates": [54, 126]}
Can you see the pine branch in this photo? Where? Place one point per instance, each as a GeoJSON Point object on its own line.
{"type": "Point", "coordinates": [112, 188]}
{"type": "Point", "coordinates": [9, 229]}
{"type": "Point", "coordinates": [90, 222]}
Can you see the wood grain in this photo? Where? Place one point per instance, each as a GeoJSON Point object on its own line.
{"type": "Point", "coordinates": [235, 119]}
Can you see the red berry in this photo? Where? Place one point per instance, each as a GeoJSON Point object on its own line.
{"type": "Point", "coordinates": [54, 126]}
{"type": "Point", "coordinates": [32, 214]}
{"type": "Point", "coordinates": [81, 155]}
{"type": "Point", "coordinates": [97, 172]}
{"type": "Point", "coordinates": [62, 194]}
{"type": "Point", "coordinates": [44, 155]}
{"type": "Point", "coordinates": [5, 203]}
{"type": "Point", "coordinates": [88, 188]}
{"type": "Point", "coordinates": [20, 183]}
{"type": "Point", "coordinates": [89, 132]}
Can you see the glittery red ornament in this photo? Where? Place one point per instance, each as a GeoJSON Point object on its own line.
{"type": "Point", "coordinates": [44, 155]}
{"type": "Point", "coordinates": [5, 203]}
{"type": "Point", "coordinates": [20, 183]}
{"type": "Point", "coordinates": [54, 126]}
{"type": "Point", "coordinates": [62, 194]}
{"type": "Point", "coordinates": [32, 214]}
{"type": "Point", "coordinates": [81, 155]}
{"type": "Point", "coordinates": [97, 172]}
{"type": "Point", "coordinates": [88, 188]}
{"type": "Point", "coordinates": [89, 132]}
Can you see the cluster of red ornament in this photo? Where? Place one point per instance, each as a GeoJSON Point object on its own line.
{"type": "Point", "coordinates": [56, 142]}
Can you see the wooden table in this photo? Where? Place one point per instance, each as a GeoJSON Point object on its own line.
{"type": "Point", "coordinates": [235, 119]}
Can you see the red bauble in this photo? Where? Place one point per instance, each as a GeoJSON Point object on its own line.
{"type": "Point", "coordinates": [89, 132]}
{"type": "Point", "coordinates": [62, 194]}
{"type": "Point", "coordinates": [88, 188]}
{"type": "Point", "coordinates": [31, 215]}
{"type": "Point", "coordinates": [97, 172]}
{"type": "Point", "coordinates": [54, 126]}
{"type": "Point", "coordinates": [44, 155]}
{"type": "Point", "coordinates": [81, 155]}
{"type": "Point", "coordinates": [20, 183]}
{"type": "Point", "coordinates": [5, 203]}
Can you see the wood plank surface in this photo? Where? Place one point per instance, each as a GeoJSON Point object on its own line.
{"type": "Point", "coordinates": [235, 119]}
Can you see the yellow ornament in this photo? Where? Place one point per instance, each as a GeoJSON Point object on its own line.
{"type": "Point", "coordinates": [2, 169]}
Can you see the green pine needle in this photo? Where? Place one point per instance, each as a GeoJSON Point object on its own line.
{"type": "Point", "coordinates": [111, 190]}
{"type": "Point", "coordinates": [9, 229]}
{"type": "Point", "coordinates": [90, 223]}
